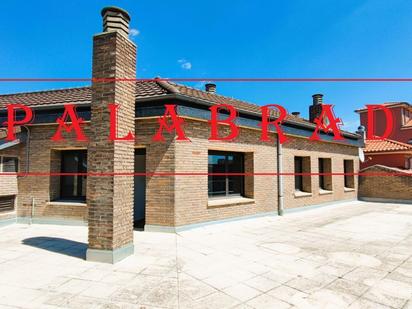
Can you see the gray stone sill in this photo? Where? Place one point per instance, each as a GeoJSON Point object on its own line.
{"type": "Point", "coordinates": [66, 203]}
{"type": "Point", "coordinates": [229, 201]}
{"type": "Point", "coordinates": [302, 194]}
{"type": "Point", "coordinates": [348, 189]}
{"type": "Point", "coordinates": [325, 192]}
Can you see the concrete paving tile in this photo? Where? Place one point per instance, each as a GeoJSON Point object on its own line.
{"type": "Point", "coordinates": [288, 294]}
{"type": "Point", "coordinates": [220, 282]}
{"type": "Point", "coordinates": [366, 275]}
{"type": "Point", "coordinates": [216, 300]}
{"type": "Point", "coordinates": [348, 287]}
{"type": "Point", "coordinates": [100, 290]}
{"type": "Point", "coordinates": [194, 288]}
{"type": "Point", "coordinates": [304, 285]}
{"type": "Point", "coordinates": [363, 303]}
{"type": "Point", "coordinates": [118, 277]}
{"type": "Point", "coordinates": [380, 297]}
{"type": "Point", "coordinates": [22, 297]}
{"type": "Point", "coordinates": [279, 276]}
{"type": "Point", "coordinates": [164, 295]}
{"type": "Point", "coordinates": [242, 292]}
{"type": "Point", "coordinates": [74, 286]}
{"type": "Point", "coordinates": [267, 301]}
{"type": "Point", "coordinates": [262, 283]}
{"type": "Point", "coordinates": [325, 298]}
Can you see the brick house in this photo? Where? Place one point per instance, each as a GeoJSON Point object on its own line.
{"type": "Point", "coordinates": [396, 150]}
{"type": "Point", "coordinates": [110, 205]}
{"type": "Point", "coordinates": [388, 153]}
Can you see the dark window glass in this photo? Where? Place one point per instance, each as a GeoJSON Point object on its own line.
{"type": "Point", "coordinates": [73, 186]}
{"type": "Point", "coordinates": [10, 165]}
{"type": "Point", "coordinates": [298, 169]}
{"type": "Point", "coordinates": [225, 162]}
{"type": "Point", "coordinates": [321, 171]}
{"type": "Point", "coordinates": [348, 170]}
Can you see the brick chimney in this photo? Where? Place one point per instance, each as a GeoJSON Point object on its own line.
{"type": "Point", "coordinates": [110, 198]}
{"type": "Point", "coordinates": [316, 108]}
{"type": "Point", "coordinates": [209, 87]}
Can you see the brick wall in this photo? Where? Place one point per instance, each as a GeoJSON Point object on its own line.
{"type": "Point", "coordinates": [191, 195]}
{"type": "Point", "coordinates": [38, 187]}
{"type": "Point", "coordinates": [396, 184]}
{"type": "Point", "coordinates": [160, 158]}
{"type": "Point", "coordinates": [180, 200]}
{"type": "Point", "coordinates": [337, 153]}
{"type": "Point", "coordinates": [110, 199]}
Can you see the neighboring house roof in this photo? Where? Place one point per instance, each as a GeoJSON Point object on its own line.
{"type": "Point", "coordinates": [387, 104]}
{"type": "Point", "coordinates": [145, 89]}
{"type": "Point", "coordinates": [386, 145]}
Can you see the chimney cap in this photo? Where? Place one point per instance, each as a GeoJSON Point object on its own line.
{"type": "Point", "coordinates": [210, 87]}
{"type": "Point", "coordinates": [316, 95]}
{"type": "Point", "coordinates": [317, 98]}
{"type": "Point", "coordinates": [115, 9]}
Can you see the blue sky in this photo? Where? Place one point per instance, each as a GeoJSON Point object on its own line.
{"type": "Point", "coordinates": [233, 39]}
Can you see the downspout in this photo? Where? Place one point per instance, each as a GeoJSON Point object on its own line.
{"type": "Point", "coordinates": [27, 165]}
{"type": "Point", "coordinates": [27, 152]}
{"type": "Point", "coordinates": [279, 149]}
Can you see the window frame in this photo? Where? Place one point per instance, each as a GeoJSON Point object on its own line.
{"type": "Point", "coordinates": [323, 178]}
{"type": "Point", "coordinates": [79, 180]}
{"type": "Point", "coordinates": [298, 178]}
{"type": "Point", "coordinates": [304, 180]}
{"type": "Point", "coordinates": [9, 156]}
{"type": "Point", "coordinates": [227, 194]}
{"type": "Point", "coordinates": [346, 178]}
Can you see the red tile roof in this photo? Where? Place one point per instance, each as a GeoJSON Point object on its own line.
{"type": "Point", "coordinates": [385, 145]}
{"type": "Point", "coordinates": [60, 96]}
{"type": "Point", "coordinates": [144, 89]}
{"type": "Point", "coordinates": [387, 104]}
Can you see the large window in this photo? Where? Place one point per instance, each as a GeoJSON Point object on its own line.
{"type": "Point", "coordinates": [349, 173]}
{"type": "Point", "coordinates": [225, 162]}
{"type": "Point", "coordinates": [73, 186]}
{"type": "Point", "coordinates": [325, 177]}
{"type": "Point", "coordinates": [9, 164]}
{"type": "Point", "coordinates": [302, 174]}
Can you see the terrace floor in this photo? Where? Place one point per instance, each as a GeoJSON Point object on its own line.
{"type": "Point", "coordinates": [356, 255]}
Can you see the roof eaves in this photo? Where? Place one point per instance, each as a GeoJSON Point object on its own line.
{"type": "Point", "coordinates": [209, 103]}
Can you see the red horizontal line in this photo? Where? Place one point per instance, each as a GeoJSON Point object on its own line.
{"type": "Point", "coordinates": [206, 79]}
{"type": "Point", "coordinates": [160, 174]}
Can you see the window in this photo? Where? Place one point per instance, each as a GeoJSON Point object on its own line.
{"type": "Point", "coordinates": [7, 203]}
{"type": "Point", "coordinates": [73, 186]}
{"type": "Point", "coordinates": [9, 164]}
{"type": "Point", "coordinates": [349, 173]}
{"type": "Point", "coordinates": [225, 162]}
{"type": "Point", "coordinates": [325, 167]}
{"type": "Point", "coordinates": [302, 182]}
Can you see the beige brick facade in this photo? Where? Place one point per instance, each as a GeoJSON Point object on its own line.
{"type": "Point", "coordinates": [385, 183]}
{"type": "Point", "coordinates": [182, 200]}
{"type": "Point", "coordinates": [110, 198]}
{"type": "Point", "coordinates": [314, 150]}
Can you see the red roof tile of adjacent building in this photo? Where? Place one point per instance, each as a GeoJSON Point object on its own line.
{"type": "Point", "coordinates": [387, 104]}
{"type": "Point", "coordinates": [385, 145]}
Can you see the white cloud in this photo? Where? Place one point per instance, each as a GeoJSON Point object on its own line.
{"type": "Point", "coordinates": [184, 64]}
{"type": "Point", "coordinates": [133, 32]}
